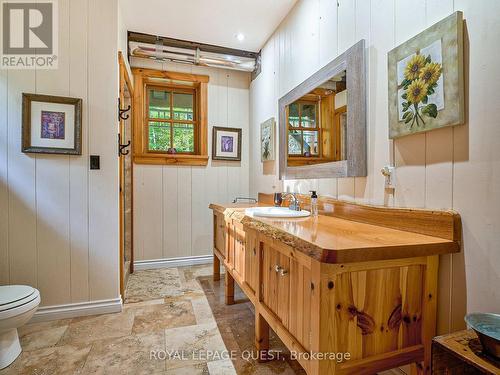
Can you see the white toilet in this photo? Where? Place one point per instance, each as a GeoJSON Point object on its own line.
{"type": "Point", "coordinates": [18, 303]}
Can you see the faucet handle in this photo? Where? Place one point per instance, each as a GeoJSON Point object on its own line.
{"type": "Point", "coordinates": [295, 204]}
{"type": "Point", "coordinates": [278, 199]}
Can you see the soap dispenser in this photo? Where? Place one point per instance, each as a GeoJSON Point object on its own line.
{"type": "Point", "coordinates": [314, 203]}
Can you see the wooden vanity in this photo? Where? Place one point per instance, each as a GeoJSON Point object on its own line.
{"type": "Point", "coordinates": [357, 279]}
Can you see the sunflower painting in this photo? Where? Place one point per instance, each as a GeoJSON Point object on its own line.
{"type": "Point", "coordinates": [420, 86]}
{"type": "Point", "coordinates": [426, 80]}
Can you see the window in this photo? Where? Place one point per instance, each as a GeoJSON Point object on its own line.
{"type": "Point", "coordinates": [303, 129]}
{"type": "Point", "coordinates": [171, 127]}
{"type": "Point", "coordinates": [172, 124]}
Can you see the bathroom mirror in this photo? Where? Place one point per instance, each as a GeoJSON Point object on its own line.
{"type": "Point", "coordinates": [323, 121]}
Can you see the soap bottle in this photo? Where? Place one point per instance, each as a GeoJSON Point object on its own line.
{"type": "Point", "coordinates": [314, 203]}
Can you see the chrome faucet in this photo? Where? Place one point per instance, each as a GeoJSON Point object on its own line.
{"type": "Point", "coordinates": [295, 203]}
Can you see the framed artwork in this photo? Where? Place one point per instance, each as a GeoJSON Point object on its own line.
{"type": "Point", "coordinates": [226, 143]}
{"type": "Point", "coordinates": [426, 79]}
{"type": "Point", "coordinates": [52, 124]}
{"type": "Point", "coordinates": [267, 140]}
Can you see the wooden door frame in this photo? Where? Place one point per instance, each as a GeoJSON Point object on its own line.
{"type": "Point", "coordinates": [125, 82]}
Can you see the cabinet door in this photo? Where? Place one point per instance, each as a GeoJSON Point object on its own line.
{"type": "Point", "coordinates": [270, 269]}
{"type": "Point", "coordinates": [283, 309]}
{"type": "Point", "coordinates": [219, 234]}
{"type": "Point", "coordinates": [299, 323]}
{"type": "Point", "coordinates": [230, 246]}
{"type": "Point", "coordinates": [239, 252]}
{"type": "Point", "coordinates": [276, 283]}
{"type": "Point", "coordinates": [251, 277]}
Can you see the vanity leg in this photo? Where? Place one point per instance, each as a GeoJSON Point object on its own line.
{"type": "Point", "coordinates": [429, 313]}
{"type": "Point", "coordinates": [229, 288]}
{"type": "Point", "coordinates": [216, 276]}
{"type": "Point", "coordinates": [261, 336]}
{"type": "Point", "coordinates": [429, 310]}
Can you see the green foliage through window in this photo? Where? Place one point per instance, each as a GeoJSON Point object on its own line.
{"type": "Point", "coordinates": [171, 121]}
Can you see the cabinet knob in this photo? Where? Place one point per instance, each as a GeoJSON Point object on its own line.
{"type": "Point", "coordinates": [277, 268]}
{"type": "Point", "coordinates": [283, 272]}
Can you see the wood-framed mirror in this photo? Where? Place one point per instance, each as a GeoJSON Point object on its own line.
{"type": "Point", "coordinates": [322, 121]}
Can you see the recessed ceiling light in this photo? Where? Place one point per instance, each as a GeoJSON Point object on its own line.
{"type": "Point", "coordinates": [240, 37]}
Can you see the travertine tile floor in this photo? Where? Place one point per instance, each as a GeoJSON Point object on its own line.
{"type": "Point", "coordinates": [177, 313]}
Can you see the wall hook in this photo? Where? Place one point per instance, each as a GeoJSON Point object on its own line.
{"type": "Point", "coordinates": [121, 147]}
{"type": "Point", "coordinates": [122, 112]}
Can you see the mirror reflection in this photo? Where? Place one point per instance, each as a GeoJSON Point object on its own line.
{"type": "Point", "coordinates": [316, 124]}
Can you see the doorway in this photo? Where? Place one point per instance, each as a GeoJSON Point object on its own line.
{"type": "Point", "coordinates": [126, 174]}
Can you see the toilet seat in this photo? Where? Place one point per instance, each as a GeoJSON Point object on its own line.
{"type": "Point", "coordinates": [12, 296]}
{"type": "Point", "coordinates": [16, 299]}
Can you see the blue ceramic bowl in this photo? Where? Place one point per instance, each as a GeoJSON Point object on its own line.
{"type": "Point", "coordinates": [487, 327]}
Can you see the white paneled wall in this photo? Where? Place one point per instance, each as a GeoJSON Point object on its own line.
{"type": "Point", "coordinates": [171, 215]}
{"type": "Point", "coordinates": [449, 168]}
{"type": "Point", "coordinates": [58, 220]}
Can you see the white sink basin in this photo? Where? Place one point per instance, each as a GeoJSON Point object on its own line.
{"type": "Point", "coordinates": [276, 212]}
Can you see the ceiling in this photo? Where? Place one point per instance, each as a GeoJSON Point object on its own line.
{"type": "Point", "coordinates": [208, 21]}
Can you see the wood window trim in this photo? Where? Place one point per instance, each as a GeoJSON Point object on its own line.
{"type": "Point", "coordinates": [150, 77]}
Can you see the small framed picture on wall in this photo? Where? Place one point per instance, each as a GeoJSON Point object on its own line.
{"type": "Point", "coordinates": [52, 124]}
{"type": "Point", "coordinates": [267, 140]}
{"type": "Point", "coordinates": [226, 143]}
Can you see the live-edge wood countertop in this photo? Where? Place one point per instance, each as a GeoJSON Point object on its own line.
{"type": "Point", "coordinates": [330, 239]}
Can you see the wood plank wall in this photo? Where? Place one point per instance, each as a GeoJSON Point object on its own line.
{"type": "Point", "coordinates": [58, 220]}
{"type": "Point", "coordinates": [453, 168]}
{"type": "Point", "coordinates": [171, 217]}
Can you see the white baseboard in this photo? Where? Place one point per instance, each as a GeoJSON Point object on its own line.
{"type": "Point", "coordinates": [73, 310]}
{"type": "Point", "coordinates": [172, 262]}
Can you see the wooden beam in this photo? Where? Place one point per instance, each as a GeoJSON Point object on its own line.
{"type": "Point", "coordinates": [179, 43]}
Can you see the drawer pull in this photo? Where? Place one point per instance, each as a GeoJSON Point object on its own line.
{"type": "Point", "coordinates": [283, 272]}
{"type": "Point", "coordinates": [277, 268]}
{"type": "Point", "coordinates": [254, 252]}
